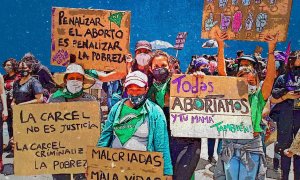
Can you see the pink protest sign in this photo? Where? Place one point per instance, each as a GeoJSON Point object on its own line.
{"type": "Point", "coordinates": [180, 40]}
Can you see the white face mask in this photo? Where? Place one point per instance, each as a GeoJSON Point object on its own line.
{"type": "Point", "coordinates": [251, 89]}
{"type": "Point", "coordinates": [74, 86]}
{"type": "Point", "coordinates": [142, 59]}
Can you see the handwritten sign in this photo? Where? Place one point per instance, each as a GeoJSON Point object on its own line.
{"type": "Point", "coordinates": [98, 38]}
{"type": "Point", "coordinates": [247, 19]}
{"type": "Point", "coordinates": [211, 107]}
{"type": "Point", "coordinates": [180, 40]}
{"type": "Point", "coordinates": [110, 164]}
{"type": "Point", "coordinates": [52, 138]}
{"type": "Point", "coordinates": [295, 147]}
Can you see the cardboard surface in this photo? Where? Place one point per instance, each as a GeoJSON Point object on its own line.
{"type": "Point", "coordinates": [247, 19]}
{"type": "Point", "coordinates": [124, 164]}
{"type": "Point", "coordinates": [98, 38]}
{"type": "Point", "coordinates": [52, 138]}
{"type": "Point", "coordinates": [210, 107]}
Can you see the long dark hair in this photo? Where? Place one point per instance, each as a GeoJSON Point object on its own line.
{"type": "Point", "coordinates": [13, 62]}
{"type": "Point", "coordinates": [291, 61]}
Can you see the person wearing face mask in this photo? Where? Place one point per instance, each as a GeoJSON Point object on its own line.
{"type": "Point", "coordinates": [239, 158]}
{"type": "Point", "coordinates": [286, 94]}
{"type": "Point", "coordinates": [136, 123]}
{"type": "Point", "coordinates": [73, 81]}
{"type": "Point", "coordinates": [26, 90]}
{"type": "Point", "coordinates": [185, 152]}
{"type": "Point", "coordinates": [202, 65]}
{"type": "Point", "coordinates": [11, 68]}
{"type": "Point", "coordinates": [112, 84]}
{"type": "Point", "coordinates": [41, 73]}
{"type": "Point", "coordinates": [143, 51]}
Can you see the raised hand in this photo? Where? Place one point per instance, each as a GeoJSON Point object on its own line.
{"type": "Point", "coordinates": [210, 23]}
{"type": "Point", "coordinates": [271, 40]}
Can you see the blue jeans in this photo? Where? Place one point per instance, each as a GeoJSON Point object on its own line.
{"type": "Point", "coordinates": [236, 170]}
{"type": "Point", "coordinates": [185, 154]}
{"type": "Point", "coordinates": [263, 138]}
{"type": "Point", "coordinates": [211, 146]}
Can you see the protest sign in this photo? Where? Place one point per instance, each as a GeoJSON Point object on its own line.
{"type": "Point", "coordinates": [295, 147]}
{"type": "Point", "coordinates": [248, 19]}
{"type": "Point", "coordinates": [210, 107]}
{"type": "Point", "coordinates": [109, 164]}
{"type": "Point", "coordinates": [180, 40]}
{"type": "Point", "coordinates": [52, 138]}
{"type": "Point", "coordinates": [98, 38]}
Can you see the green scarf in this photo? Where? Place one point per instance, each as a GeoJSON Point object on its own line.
{"type": "Point", "coordinates": [66, 94]}
{"type": "Point", "coordinates": [91, 72]}
{"type": "Point", "coordinates": [130, 120]}
{"type": "Point", "coordinates": [159, 90]}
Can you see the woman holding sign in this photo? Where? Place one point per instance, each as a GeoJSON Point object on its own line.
{"type": "Point", "coordinates": [245, 159]}
{"type": "Point", "coordinates": [185, 152]}
{"type": "Point", "coordinates": [74, 80]}
{"type": "Point", "coordinates": [137, 123]}
{"type": "Point", "coordinates": [26, 90]}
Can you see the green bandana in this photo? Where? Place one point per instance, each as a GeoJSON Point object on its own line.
{"type": "Point", "coordinates": [91, 72]}
{"type": "Point", "coordinates": [159, 90]}
{"type": "Point", "coordinates": [130, 120]}
{"type": "Point", "coordinates": [66, 94]}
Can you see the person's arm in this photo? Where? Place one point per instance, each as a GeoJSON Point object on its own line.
{"type": "Point", "coordinates": [279, 92]}
{"type": "Point", "coordinates": [13, 102]}
{"type": "Point", "coordinates": [103, 77]}
{"type": "Point", "coordinates": [271, 68]}
{"type": "Point", "coordinates": [112, 76]}
{"type": "Point", "coordinates": [276, 101]}
{"type": "Point", "coordinates": [38, 93]}
{"type": "Point", "coordinates": [295, 147]}
{"type": "Point", "coordinates": [3, 99]}
{"type": "Point", "coordinates": [129, 63]}
{"type": "Point", "coordinates": [161, 141]}
{"type": "Point", "coordinates": [267, 109]}
{"type": "Point", "coordinates": [38, 99]}
{"type": "Point", "coordinates": [106, 137]}
{"type": "Point", "coordinates": [220, 37]}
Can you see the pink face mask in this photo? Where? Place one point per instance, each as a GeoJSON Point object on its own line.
{"type": "Point", "coordinates": [143, 59]}
{"type": "Point", "coordinates": [212, 66]}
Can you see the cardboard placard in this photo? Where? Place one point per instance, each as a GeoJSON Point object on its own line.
{"type": "Point", "coordinates": [247, 19]}
{"type": "Point", "coordinates": [210, 107]}
{"type": "Point", "coordinates": [98, 38]}
{"type": "Point", "coordinates": [52, 138]}
{"type": "Point", "coordinates": [107, 163]}
{"type": "Point", "coordinates": [180, 40]}
{"type": "Point", "coordinates": [295, 147]}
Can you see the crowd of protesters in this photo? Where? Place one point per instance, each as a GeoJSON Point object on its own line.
{"type": "Point", "coordinates": [139, 106]}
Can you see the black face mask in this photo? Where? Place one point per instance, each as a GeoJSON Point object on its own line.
{"type": "Point", "coordinates": [24, 73]}
{"type": "Point", "coordinates": [205, 71]}
{"type": "Point", "coordinates": [296, 70]}
{"type": "Point", "coordinates": [161, 74]}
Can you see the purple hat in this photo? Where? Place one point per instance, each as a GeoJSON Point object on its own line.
{"type": "Point", "coordinates": [143, 45]}
{"type": "Point", "coordinates": [200, 61]}
{"type": "Point", "coordinates": [280, 55]}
